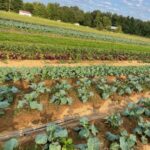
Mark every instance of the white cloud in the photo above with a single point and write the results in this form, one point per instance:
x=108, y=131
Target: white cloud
x=133, y=3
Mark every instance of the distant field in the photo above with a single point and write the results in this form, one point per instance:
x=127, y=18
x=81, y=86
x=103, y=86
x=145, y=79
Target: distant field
x=41, y=21
x=37, y=38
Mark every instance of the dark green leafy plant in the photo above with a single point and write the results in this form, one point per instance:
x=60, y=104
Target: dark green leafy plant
x=124, y=141
x=145, y=102
x=133, y=110
x=31, y=98
x=7, y=94
x=143, y=130
x=60, y=96
x=86, y=130
x=83, y=89
x=114, y=120
x=56, y=138
x=11, y=144
x=104, y=88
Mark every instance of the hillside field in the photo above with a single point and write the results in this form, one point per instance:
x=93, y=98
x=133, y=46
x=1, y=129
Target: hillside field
x=37, y=38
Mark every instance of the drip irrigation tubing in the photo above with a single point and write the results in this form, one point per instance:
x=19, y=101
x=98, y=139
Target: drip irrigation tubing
x=67, y=122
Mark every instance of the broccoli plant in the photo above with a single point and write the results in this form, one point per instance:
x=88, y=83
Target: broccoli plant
x=7, y=94
x=83, y=89
x=114, y=120
x=40, y=87
x=60, y=96
x=105, y=89
x=143, y=130
x=123, y=141
x=11, y=144
x=145, y=102
x=55, y=138
x=93, y=143
x=86, y=130
x=30, y=99
x=133, y=110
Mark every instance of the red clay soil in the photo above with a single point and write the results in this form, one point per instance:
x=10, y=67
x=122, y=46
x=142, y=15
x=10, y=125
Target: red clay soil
x=42, y=63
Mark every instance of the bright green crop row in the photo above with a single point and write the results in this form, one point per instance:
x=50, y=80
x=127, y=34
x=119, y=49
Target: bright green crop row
x=68, y=32
x=48, y=47
x=14, y=74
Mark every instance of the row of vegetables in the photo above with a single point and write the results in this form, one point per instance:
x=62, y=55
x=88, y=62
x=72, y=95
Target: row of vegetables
x=25, y=50
x=8, y=74
x=87, y=134
x=59, y=91
x=66, y=32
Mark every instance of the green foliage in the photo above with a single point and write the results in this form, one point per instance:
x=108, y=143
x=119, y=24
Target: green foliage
x=145, y=102
x=114, y=120
x=7, y=94
x=105, y=89
x=9, y=74
x=56, y=138
x=133, y=110
x=60, y=96
x=143, y=130
x=11, y=144
x=86, y=130
x=40, y=87
x=31, y=98
x=124, y=141
x=83, y=89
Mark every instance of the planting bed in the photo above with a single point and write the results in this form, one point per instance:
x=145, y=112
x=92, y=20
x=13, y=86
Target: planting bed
x=126, y=129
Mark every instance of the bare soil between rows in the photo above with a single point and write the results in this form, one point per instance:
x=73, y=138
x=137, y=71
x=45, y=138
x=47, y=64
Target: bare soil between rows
x=25, y=118
x=42, y=63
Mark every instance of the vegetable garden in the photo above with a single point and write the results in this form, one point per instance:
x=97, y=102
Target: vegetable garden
x=57, y=85
x=93, y=107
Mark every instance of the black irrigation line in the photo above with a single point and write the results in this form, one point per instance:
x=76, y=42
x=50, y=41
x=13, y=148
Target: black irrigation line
x=67, y=122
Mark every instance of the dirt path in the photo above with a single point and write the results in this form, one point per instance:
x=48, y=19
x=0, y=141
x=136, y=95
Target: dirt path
x=42, y=63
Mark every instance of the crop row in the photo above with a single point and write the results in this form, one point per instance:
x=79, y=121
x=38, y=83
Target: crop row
x=87, y=135
x=66, y=32
x=59, y=92
x=47, y=72
x=21, y=50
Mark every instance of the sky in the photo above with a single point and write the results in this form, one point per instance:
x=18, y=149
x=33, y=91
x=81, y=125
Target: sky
x=136, y=8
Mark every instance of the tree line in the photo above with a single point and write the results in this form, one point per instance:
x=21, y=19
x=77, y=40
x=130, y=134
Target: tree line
x=95, y=19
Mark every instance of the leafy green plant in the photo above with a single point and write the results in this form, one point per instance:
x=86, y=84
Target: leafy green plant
x=145, y=102
x=114, y=120
x=83, y=89
x=104, y=88
x=11, y=144
x=31, y=98
x=60, y=96
x=93, y=143
x=86, y=130
x=56, y=138
x=40, y=87
x=133, y=110
x=124, y=141
x=7, y=94
x=143, y=130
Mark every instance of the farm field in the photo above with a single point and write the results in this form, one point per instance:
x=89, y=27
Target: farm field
x=70, y=87
x=25, y=38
